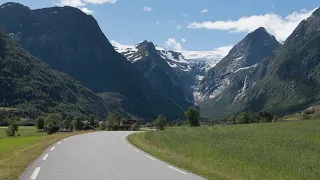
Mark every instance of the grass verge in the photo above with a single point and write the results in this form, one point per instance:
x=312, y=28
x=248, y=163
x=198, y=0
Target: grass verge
x=19, y=152
x=284, y=150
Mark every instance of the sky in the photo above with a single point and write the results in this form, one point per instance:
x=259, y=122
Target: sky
x=188, y=25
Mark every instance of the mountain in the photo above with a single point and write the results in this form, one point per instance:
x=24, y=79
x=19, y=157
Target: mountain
x=71, y=41
x=184, y=69
x=290, y=79
x=33, y=86
x=161, y=74
x=228, y=81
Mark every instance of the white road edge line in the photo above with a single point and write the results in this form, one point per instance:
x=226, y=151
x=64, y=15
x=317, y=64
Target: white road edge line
x=176, y=169
x=45, y=157
x=65, y=139
x=150, y=157
x=128, y=145
x=52, y=148
x=59, y=142
x=137, y=150
x=35, y=173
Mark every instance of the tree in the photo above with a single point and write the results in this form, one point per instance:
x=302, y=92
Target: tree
x=243, y=118
x=161, y=122
x=78, y=124
x=232, y=119
x=40, y=123
x=67, y=123
x=10, y=131
x=52, y=122
x=15, y=125
x=193, y=117
x=92, y=121
x=135, y=126
x=102, y=126
x=113, y=122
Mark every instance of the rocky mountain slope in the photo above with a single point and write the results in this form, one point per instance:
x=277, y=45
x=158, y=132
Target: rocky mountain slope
x=71, y=41
x=228, y=81
x=33, y=86
x=184, y=69
x=285, y=81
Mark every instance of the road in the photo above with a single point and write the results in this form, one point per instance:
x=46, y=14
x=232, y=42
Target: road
x=101, y=155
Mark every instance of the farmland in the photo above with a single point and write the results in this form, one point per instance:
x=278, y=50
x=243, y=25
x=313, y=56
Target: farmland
x=283, y=150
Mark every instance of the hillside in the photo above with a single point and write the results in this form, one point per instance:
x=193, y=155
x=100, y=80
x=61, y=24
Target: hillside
x=286, y=81
x=33, y=86
x=71, y=41
x=227, y=82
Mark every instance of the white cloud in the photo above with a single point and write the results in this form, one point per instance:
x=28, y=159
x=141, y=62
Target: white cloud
x=179, y=26
x=223, y=51
x=73, y=3
x=183, y=40
x=184, y=15
x=86, y=10
x=205, y=11
x=280, y=27
x=172, y=43
x=147, y=9
x=82, y=3
x=100, y=1
x=157, y=23
x=173, y=21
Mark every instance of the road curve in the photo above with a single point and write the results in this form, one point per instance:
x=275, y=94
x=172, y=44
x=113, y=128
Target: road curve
x=101, y=156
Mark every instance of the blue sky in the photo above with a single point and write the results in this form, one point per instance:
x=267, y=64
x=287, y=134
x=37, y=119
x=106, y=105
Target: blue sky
x=188, y=25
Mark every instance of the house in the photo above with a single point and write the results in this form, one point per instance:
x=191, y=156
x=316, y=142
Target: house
x=125, y=125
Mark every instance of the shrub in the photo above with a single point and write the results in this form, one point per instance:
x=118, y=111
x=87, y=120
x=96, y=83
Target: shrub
x=305, y=116
x=52, y=128
x=135, y=127
x=102, y=126
x=193, y=117
x=10, y=131
x=316, y=115
x=161, y=122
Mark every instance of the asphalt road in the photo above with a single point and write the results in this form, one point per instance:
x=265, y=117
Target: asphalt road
x=101, y=155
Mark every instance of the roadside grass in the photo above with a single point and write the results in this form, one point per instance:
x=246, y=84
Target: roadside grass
x=283, y=150
x=23, y=131
x=16, y=153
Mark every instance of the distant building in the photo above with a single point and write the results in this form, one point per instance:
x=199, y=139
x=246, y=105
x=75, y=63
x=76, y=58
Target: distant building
x=125, y=125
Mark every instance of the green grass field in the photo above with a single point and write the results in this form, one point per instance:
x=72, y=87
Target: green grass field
x=16, y=153
x=23, y=131
x=284, y=150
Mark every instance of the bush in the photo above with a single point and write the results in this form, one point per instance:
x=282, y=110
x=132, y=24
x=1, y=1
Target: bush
x=193, y=117
x=161, y=122
x=135, y=127
x=102, y=126
x=316, y=115
x=40, y=123
x=67, y=123
x=305, y=116
x=52, y=128
x=10, y=131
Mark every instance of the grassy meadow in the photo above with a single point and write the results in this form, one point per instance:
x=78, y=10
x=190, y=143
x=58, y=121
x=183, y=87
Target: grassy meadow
x=283, y=150
x=16, y=153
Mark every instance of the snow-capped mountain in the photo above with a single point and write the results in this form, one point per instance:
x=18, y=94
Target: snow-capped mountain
x=186, y=68
x=180, y=60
